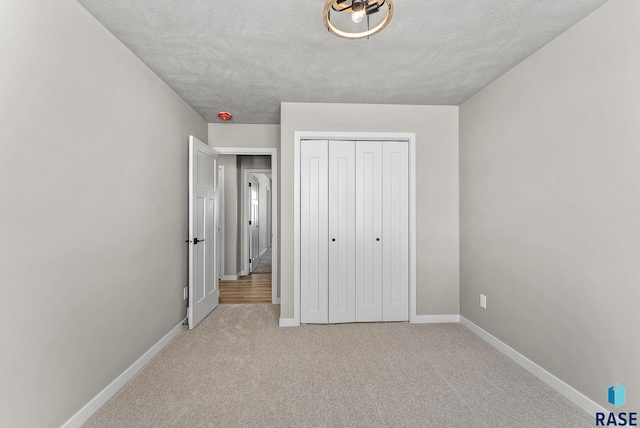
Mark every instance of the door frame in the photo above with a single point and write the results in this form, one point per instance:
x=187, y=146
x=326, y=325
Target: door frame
x=247, y=214
x=410, y=138
x=273, y=152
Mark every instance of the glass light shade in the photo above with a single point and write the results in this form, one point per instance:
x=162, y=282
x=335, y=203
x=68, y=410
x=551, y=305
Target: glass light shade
x=358, y=16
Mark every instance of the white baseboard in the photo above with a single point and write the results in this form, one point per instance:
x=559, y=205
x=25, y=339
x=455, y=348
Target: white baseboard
x=288, y=322
x=563, y=388
x=435, y=319
x=230, y=277
x=96, y=402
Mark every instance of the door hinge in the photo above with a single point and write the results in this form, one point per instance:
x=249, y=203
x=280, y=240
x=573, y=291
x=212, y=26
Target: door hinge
x=249, y=222
x=249, y=261
x=249, y=184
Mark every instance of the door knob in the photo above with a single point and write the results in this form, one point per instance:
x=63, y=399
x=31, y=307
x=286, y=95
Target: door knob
x=377, y=239
x=196, y=240
x=334, y=239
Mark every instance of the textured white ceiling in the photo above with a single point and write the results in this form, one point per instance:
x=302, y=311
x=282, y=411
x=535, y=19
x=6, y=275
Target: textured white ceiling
x=246, y=56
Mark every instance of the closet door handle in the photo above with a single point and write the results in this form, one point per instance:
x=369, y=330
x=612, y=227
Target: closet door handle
x=377, y=239
x=334, y=239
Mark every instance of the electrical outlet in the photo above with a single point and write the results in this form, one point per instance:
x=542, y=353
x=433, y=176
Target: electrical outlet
x=483, y=301
x=185, y=293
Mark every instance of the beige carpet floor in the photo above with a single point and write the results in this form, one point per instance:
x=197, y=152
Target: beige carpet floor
x=239, y=369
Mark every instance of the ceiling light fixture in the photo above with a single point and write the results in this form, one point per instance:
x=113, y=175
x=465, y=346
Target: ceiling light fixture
x=225, y=115
x=359, y=10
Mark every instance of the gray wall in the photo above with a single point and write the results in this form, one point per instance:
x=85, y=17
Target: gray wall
x=231, y=261
x=93, y=191
x=550, y=204
x=436, y=129
x=242, y=135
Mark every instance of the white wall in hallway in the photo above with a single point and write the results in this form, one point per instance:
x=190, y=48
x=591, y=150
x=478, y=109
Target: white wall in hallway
x=231, y=260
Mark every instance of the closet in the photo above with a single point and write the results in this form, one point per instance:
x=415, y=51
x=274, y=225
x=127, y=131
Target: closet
x=354, y=227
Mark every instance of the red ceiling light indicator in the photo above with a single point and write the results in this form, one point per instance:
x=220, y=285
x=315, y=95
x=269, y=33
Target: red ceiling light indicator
x=225, y=115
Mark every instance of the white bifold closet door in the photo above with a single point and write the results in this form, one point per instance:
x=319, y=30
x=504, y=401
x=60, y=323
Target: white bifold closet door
x=314, y=232
x=369, y=231
x=354, y=260
x=327, y=241
x=382, y=231
x=342, y=231
x=395, y=231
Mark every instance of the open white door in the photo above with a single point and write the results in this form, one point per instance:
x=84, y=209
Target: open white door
x=203, y=231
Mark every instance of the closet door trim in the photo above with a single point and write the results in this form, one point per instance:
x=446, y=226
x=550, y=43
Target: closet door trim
x=299, y=136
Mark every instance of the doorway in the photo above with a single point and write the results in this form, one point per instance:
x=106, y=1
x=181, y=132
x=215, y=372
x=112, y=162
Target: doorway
x=250, y=262
x=257, y=186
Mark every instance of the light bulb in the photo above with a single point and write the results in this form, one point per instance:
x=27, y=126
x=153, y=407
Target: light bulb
x=357, y=16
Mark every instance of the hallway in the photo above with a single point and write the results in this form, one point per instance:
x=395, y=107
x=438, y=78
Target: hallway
x=253, y=288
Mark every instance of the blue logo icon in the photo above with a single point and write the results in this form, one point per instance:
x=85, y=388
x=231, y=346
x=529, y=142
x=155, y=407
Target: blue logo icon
x=616, y=395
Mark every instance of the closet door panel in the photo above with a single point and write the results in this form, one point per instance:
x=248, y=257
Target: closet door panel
x=395, y=284
x=314, y=260
x=342, y=239
x=368, y=231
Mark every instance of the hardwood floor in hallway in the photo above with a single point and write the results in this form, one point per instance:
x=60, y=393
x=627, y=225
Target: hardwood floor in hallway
x=254, y=288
